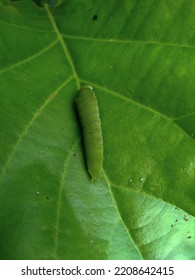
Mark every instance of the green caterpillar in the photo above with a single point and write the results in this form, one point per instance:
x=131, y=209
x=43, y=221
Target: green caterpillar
x=88, y=111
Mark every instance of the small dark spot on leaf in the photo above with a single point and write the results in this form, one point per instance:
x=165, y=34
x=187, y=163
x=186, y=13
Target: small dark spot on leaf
x=176, y=208
x=186, y=219
x=38, y=2
x=171, y=225
x=176, y=220
x=74, y=155
x=95, y=17
x=47, y=197
x=189, y=237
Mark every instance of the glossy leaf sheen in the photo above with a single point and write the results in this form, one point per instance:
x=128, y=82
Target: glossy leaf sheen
x=139, y=56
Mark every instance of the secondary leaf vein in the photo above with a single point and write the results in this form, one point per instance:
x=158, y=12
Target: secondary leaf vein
x=119, y=41
x=63, y=44
x=27, y=127
x=60, y=197
x=34, y=56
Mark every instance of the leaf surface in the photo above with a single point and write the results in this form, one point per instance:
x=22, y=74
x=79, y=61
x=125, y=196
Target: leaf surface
x=139, y=56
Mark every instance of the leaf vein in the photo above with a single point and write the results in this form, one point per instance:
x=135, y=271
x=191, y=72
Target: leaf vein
x=118, y=41
x=26, y=28
x=60, y=196
x=63, y=44
x=32, y=57
x=134, y=102
x=27, y=127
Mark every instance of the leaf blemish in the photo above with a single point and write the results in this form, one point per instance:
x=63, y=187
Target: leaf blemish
x=52, y=95
x=95, y=17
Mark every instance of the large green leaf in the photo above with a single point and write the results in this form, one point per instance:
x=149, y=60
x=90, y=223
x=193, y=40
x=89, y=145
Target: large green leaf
x=139, y=56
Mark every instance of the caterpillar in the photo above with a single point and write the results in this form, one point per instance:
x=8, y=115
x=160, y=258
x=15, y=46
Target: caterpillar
x=88, y=111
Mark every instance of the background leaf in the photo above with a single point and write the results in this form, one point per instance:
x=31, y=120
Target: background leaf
x=139, y=56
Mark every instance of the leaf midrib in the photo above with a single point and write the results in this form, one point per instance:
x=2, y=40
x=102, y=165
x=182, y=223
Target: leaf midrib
x=63, y=44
